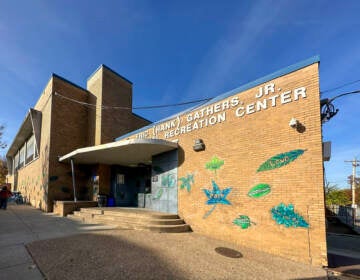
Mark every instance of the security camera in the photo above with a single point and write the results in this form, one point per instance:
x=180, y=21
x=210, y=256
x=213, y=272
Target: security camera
x=293, y=123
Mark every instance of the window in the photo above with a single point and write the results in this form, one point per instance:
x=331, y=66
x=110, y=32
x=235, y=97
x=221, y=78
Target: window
x=27, y=153
x=16, y=161
x=30, y=148
x=22, y=156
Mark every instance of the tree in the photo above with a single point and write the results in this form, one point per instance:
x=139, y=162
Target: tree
x=357, y=181
x=335, y=196
x=3, y=163
x=2, y=143
x=3, y=170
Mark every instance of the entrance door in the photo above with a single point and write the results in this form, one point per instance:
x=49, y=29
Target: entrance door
x=127, y=183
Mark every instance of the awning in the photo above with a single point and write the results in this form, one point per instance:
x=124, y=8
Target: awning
x=126, y=152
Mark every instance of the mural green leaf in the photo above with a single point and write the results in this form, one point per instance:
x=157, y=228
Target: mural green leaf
x=280, y=160
x=259, y=190
x=243, y=221
x=214, y=164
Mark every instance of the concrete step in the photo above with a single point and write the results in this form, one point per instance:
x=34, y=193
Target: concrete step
x=141, y=219
x=75, y=218
x=132, y=218
x=144, y=215
x=168, y=228
x=93, y=210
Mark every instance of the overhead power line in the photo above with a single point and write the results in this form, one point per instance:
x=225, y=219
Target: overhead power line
x=328, y=109
x=341, y=86
x=134, y=108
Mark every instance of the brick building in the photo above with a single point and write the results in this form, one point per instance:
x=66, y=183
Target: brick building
x=56, y=126
x=245, y=167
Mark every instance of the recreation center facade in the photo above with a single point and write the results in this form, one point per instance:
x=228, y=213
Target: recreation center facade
x=245, y=167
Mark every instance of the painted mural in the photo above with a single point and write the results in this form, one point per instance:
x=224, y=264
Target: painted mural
x=285, y=215
x=280, y=160
x=214, y=164
x=186, y=182
x=243, y=221
x=215, y=197
x=168, y=180
x=164, y=181
x=259, y=190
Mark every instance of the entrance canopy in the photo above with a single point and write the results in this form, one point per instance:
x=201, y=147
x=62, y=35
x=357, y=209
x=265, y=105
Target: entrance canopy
x=126, y=152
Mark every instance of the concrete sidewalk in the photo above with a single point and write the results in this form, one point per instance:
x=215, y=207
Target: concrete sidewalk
x=61, y=253
x=21, y=224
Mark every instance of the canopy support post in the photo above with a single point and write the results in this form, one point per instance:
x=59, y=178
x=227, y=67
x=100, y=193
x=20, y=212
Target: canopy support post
x=73, y=178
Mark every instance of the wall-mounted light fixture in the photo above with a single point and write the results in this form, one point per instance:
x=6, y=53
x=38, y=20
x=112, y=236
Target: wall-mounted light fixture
x=297, y=125
x=199, y=145
x=293, y=123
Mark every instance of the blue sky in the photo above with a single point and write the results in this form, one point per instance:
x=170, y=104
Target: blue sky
x=176, y=51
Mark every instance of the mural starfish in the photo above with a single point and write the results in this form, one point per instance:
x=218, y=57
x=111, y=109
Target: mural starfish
x=216, y=196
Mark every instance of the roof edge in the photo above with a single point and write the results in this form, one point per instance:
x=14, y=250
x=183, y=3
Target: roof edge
x=53, y=75
x=109, y=69
x=26, y=119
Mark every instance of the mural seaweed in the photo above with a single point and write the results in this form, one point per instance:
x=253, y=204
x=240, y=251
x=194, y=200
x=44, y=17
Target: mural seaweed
x=214, y=164
x=259, y=190
x=158, y=194
x=243, y=221
x=280, y=160
x=168, y=180
x=286, y=216
x=186, y=182
x=216, y=196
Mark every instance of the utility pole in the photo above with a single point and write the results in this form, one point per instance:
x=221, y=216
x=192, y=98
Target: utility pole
x=354, y=163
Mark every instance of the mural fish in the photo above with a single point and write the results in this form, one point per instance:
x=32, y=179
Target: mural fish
x=280, y=160
x=259, y=190
x=285, y=215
